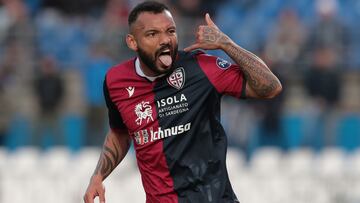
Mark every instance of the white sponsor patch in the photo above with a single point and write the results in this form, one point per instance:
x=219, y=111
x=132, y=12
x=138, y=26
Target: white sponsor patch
x=172, y=105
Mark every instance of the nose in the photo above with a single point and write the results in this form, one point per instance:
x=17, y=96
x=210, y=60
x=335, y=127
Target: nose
x=164, y=39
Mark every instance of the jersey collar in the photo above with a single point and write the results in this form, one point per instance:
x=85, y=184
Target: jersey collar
x=141, y=73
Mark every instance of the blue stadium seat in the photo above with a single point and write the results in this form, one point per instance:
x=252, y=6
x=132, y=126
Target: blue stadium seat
x=74, y=131
x=19, y=133
x=348, y=137
x=293, y=128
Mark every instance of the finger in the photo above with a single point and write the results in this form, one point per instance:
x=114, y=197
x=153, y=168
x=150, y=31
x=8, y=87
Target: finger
x=88, y=198
x=209, y=21
x=102, y=198
x=192, y=47
x=102, y=195
x=201, y=27
x=197, y=36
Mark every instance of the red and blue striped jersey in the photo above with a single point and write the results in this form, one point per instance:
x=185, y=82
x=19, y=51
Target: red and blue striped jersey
x=174, y=122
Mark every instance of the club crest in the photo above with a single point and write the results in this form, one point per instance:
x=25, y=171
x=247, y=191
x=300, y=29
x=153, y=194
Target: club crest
x=177, y=78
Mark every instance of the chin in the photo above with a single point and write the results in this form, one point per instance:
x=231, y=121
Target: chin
x=163, y=69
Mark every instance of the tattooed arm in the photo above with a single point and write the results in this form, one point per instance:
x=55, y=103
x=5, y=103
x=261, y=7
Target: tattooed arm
x=261, y=82
x=115, y=147
x=114, y=150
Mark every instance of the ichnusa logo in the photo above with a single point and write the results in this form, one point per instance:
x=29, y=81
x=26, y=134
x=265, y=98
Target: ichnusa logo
x=177, y=78
x=143, y=111
x=150, y=135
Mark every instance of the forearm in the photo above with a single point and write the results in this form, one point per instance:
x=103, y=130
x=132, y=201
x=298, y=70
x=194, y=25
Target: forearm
x=261, y=80
x=115, y=148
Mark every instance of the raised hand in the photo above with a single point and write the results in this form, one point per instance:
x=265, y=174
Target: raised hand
x=209, y=37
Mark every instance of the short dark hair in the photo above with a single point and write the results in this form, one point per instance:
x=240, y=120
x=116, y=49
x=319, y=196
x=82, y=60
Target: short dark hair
x=147, y=6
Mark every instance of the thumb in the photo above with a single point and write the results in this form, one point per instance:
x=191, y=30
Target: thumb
x=192, y=47
x=209, y=21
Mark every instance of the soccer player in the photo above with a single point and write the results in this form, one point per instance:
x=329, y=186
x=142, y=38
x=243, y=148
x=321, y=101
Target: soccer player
x=168, y=103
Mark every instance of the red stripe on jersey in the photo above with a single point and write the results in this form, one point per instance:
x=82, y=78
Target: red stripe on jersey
x=134, y=98
x=227, y=79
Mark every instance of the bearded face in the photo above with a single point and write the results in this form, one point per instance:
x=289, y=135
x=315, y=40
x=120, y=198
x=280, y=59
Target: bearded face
x=153, y=36
x=160, y=61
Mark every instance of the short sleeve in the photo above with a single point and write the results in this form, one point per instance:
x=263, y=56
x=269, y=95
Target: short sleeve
x=115, y=120
x=227, y=78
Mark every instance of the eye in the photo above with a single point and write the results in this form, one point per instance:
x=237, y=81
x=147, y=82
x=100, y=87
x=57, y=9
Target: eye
x=151, y=34
x=172, y=31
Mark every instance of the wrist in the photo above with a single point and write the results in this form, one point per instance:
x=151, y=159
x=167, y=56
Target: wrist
x=226, y=43
x=97, y=178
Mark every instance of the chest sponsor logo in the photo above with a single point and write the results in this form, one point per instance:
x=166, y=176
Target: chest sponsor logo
x=143, y=111
x=223, y=64
x=171, y=100
x=130, y=90
x=177, y=78
x=173, y=105
x=150, y=135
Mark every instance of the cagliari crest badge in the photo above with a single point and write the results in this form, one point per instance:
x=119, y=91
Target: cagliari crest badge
x=177, y=78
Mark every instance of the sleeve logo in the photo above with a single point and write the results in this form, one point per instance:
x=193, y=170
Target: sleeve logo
x=223, y=64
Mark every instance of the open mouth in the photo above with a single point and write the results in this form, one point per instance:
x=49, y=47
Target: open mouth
x=165, y=57
x=165, y=52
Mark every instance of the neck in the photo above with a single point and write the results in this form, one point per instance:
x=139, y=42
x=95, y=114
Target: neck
x=140, y=71
x=146, y=70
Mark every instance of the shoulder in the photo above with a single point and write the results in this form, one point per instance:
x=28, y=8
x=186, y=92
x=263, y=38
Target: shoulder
x=197, y=56
x=191, y=54
x=207, y=60
x=125, y=69
x=200, y=55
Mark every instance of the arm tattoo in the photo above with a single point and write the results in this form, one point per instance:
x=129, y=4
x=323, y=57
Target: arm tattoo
x=258, y=75
x=109, y=158
x=261, y=80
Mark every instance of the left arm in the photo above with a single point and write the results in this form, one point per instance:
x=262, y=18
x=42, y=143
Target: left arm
x=260, y=81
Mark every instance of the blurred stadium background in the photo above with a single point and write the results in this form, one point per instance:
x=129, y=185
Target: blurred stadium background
x=302, y=147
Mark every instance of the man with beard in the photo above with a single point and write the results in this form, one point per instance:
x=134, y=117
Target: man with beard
x=168, y=102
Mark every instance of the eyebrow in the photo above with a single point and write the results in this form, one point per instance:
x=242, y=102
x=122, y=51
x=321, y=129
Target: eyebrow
x=151, y=30
x=155, y=29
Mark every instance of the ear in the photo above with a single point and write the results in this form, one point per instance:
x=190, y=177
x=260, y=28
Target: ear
x=131, y=42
